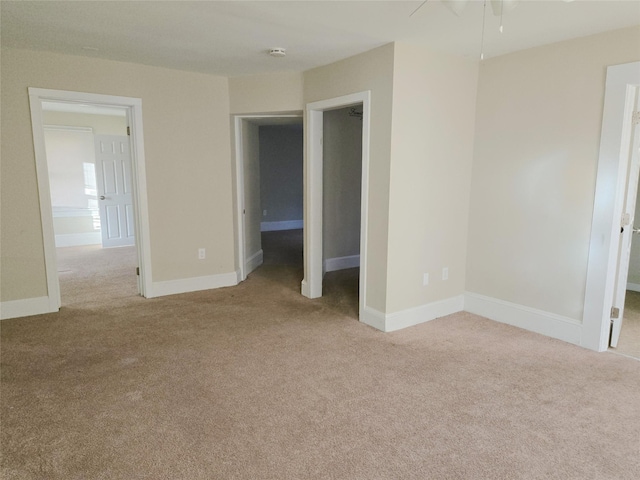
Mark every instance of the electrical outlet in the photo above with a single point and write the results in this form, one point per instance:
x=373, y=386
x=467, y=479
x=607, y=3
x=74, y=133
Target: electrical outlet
x=445, y=273
x=264, y=213
x=202, y=253
x=425, y=279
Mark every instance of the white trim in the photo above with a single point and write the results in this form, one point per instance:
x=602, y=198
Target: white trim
x=241, y=261
x=341, y=263
x=69, y=128
x=140, y=205
x=254, y=261
x=27, y=307
x=239, y=174
x=607, y=209
x=412, y=316
x=532, y=319
x=634, y=287
x=78, y=239
x=282, y=225
x=194, y=284
x=373, y=318
x=313, y=165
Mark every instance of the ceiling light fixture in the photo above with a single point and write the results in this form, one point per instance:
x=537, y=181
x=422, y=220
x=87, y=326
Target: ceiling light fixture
x=277, y=52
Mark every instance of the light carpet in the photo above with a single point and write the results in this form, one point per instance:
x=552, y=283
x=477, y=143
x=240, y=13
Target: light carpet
x=258, y=382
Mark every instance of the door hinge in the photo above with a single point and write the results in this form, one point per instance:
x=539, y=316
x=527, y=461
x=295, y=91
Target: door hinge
x=615, y=312
x=128, y=130
x=636, y=118
x=626, y=219
x=137, y=270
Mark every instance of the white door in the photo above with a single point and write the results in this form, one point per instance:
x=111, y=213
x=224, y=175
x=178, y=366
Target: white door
x=627, y=227
x=113, y=175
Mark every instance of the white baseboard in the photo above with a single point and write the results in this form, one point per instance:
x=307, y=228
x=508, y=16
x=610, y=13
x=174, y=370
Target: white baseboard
x=284, y=225
x=26, y=307
x=253, y=262
x=534, y=320
x=194, y=284
x=374, y=318
x=77, y=239
x=412, y=316
x=634, y=287
x=341, y=263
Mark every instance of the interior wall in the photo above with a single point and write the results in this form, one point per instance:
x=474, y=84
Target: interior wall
x=69, y=154
x=253, y=212
x=187, y=149
x=373, y=71
x=267, y=93
x=434, y=98
x=281, y=172
x=342, y=182
x=538, y=123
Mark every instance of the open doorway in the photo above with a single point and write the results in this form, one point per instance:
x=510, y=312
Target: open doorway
x=89, y=164
x=628, y=338
x=610, y=214
x=314, y=250
x=268, y=171
x=341, y=197
x=70, y=213
x=625, y=314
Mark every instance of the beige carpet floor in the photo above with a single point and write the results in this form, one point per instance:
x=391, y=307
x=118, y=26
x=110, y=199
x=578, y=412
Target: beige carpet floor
x=258, y=382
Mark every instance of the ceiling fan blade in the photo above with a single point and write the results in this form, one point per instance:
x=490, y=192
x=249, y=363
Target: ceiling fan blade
x=419, y=7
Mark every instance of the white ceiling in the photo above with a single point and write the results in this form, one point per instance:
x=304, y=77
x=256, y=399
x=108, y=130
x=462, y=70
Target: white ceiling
x=231, y=38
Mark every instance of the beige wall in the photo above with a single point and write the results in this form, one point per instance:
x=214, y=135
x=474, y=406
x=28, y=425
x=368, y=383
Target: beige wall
x=538, y=126
x=434, y=98
x=372, y=71
x=101, y=124
x=342, y=181
x=253, y=212
x=187, y=148
x=268, y=93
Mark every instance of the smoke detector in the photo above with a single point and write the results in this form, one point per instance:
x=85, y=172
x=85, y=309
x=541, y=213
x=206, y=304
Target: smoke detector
x=277, y=52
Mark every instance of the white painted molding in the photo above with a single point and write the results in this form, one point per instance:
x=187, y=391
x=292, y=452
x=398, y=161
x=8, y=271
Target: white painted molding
x=254, y=261
x=283, y=225
x=373, y=318
x=412, y=316
x=77, y=239
x=634, y=287
x=27, y=307
x=532, y=319
x=304, y=289
x=341, y=263
x=424, y=313
x=194, y=284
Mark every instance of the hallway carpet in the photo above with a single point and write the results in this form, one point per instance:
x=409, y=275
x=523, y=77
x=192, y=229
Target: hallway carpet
x=258, y=382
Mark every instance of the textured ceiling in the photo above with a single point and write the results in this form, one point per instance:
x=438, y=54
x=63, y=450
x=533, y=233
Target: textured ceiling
x=231, y=38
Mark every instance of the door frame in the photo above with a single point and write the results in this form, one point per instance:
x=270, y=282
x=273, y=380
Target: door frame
x=139, y=182
x=313, y=165
x=622, y=84
x=239, y=182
